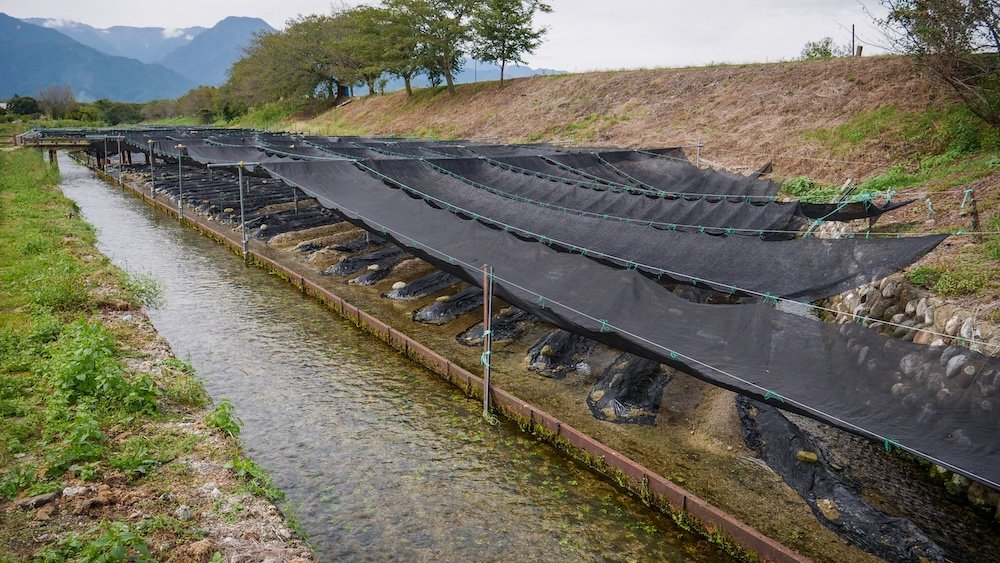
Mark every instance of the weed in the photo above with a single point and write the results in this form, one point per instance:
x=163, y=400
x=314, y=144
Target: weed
x=135, y=461
x=144, y=289
x=803, y=188
x=85, y=366
x=924, y=276
x=84, y=442
x=254, y=478
x=110, y=541
x=962, y=281
x=222, y=417
x=16, y=481
x=892, y=179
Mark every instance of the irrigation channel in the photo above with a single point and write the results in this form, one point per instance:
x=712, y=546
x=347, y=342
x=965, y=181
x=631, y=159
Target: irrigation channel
x=378, y=457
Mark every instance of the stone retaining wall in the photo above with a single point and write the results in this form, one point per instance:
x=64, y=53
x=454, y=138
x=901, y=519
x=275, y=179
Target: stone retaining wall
x=895, y=307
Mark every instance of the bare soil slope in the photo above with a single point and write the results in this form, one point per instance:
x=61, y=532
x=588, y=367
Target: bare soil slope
x=745, y=115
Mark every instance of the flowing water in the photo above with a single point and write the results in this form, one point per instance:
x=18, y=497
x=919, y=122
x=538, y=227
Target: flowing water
x=379, y=458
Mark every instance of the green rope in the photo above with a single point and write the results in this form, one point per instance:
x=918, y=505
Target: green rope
x=772, y=395
x=965, y=199
x=485, y=358
x=889, y=443
x=605, y=327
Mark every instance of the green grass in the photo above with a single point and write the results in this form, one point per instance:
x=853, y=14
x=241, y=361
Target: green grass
x=267, y=115
x=65, y=391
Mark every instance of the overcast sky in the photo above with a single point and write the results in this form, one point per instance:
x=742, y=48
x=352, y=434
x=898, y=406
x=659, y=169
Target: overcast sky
x=584, y=34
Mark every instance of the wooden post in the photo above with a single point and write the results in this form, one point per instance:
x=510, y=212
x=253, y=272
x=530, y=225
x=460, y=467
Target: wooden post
x=487, y=335
x=975, y=216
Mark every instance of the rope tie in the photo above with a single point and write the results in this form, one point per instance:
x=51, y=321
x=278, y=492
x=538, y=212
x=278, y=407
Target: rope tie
x=770, y=298
x=730, y=231
x=930, y=208
x=889, y=443
x=541, y=301
x=889, y=195
x=605, y=327
x=485, y=358
x=487, y=333
x=772, y=395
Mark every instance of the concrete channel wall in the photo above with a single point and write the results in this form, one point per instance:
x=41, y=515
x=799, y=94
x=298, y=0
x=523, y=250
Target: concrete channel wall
x=651, y=487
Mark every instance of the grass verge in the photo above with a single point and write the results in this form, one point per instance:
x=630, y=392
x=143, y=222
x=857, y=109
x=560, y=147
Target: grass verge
x=96, y=416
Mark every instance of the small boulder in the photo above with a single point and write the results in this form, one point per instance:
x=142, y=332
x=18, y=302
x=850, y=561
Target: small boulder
x=399, y=285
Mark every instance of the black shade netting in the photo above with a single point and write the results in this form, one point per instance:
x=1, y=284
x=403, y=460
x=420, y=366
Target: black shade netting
x=719, y=216
x=802, y=269
x=937, y=402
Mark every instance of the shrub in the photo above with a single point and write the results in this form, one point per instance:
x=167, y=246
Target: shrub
x=222, y=417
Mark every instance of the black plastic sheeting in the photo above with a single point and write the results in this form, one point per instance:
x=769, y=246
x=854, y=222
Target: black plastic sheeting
x=777, y=441
x=803, y=269
x=930, y=401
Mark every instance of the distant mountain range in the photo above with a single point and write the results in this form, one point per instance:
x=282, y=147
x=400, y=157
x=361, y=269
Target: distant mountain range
x=133, y=64
x=33, y=57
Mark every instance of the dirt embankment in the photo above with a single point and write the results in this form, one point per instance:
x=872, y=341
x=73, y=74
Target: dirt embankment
x=745, y=115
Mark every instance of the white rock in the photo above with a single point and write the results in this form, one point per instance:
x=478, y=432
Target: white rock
x=911, y=307
x=127, y=318
x=968, y=330
x=399, y=285
x=953, y=324
x=583, y=368
x=374, y=267
x=75, y=491
x=921, y=307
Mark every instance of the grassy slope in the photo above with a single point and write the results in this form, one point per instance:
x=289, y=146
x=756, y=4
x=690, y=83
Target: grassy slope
x=89, y=396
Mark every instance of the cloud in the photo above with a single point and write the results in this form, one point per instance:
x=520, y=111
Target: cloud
x=172, y=32
x=57, y=23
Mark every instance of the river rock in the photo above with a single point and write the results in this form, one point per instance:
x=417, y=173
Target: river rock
x=955, y=365
x=898, y=318
x=923, y=337
x=968, y=330
x=36, y=501
x=953, y=325
x=911, y=307
x=374, y=268
x=929, y=316
x=937, y=342
x=183, y=513
x=921, y=307
x=941, y=315
x=75, y=491
x=399, y=285
x=904, y=329
x=443, y=299
x=890, y=290
x=890, y=312
x=828, y=508
x=879, y=308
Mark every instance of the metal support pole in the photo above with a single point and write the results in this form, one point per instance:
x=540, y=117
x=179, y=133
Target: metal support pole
x=295, y=194
x=487, y=335
x=180, y=182
x=104, y=157
x=120, y=161
x=152, y=181
x=698, y=153
x=975, y=217
x=243, y=218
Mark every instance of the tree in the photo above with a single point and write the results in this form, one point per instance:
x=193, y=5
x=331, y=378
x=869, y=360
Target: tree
x=503, y=31
x=56, y=100
x=442, y=31
x=401, y=36
x=958, y=41
x=818, y=50
x=197, y=101
x=23, y=105
x=303, y=61
x=363, y=44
